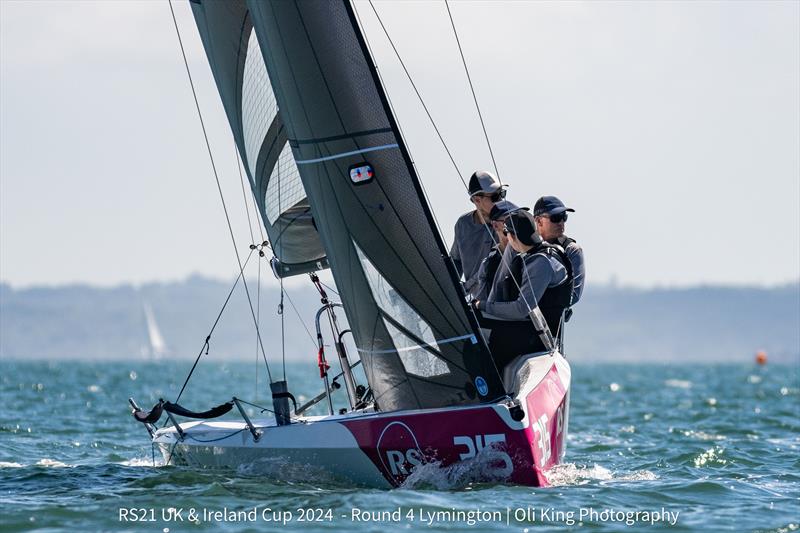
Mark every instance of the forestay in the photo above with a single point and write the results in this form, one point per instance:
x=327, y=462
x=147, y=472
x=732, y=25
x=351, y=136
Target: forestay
x=419, y=342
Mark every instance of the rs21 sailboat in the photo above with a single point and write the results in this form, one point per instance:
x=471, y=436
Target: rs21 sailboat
x=336, y=188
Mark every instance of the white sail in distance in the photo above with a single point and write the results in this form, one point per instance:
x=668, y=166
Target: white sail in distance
x=158, y=347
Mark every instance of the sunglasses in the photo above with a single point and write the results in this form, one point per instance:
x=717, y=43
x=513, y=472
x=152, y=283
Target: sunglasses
x=494, y=197
x=557, y=219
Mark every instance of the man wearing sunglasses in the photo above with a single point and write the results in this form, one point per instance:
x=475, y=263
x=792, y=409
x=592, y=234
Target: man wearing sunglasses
x=494, y=261
x=474, y=237
x=539, y=276
x=550, y=215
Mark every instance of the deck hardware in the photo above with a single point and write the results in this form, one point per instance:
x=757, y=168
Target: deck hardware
x=256, y=434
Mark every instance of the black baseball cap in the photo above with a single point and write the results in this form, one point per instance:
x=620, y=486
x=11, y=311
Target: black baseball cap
x=502, y=209
x=521, y=224
x=549, y=205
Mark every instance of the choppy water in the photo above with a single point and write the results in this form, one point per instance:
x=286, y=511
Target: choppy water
x=717, y=444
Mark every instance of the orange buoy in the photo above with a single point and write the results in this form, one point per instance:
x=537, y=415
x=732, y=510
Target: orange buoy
x=761, y=357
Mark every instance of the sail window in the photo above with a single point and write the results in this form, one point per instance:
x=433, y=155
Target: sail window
x=259, y=106
x=416, y=359
x=391, y=303
x=285, y=188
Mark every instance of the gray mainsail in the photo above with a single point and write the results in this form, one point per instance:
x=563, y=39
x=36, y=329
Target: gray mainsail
x=249, y=101
x=418, y=341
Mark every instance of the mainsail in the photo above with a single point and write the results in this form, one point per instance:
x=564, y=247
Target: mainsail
x=419, y=342
x=249, y=102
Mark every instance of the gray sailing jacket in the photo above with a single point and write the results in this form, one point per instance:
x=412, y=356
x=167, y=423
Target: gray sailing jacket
x=471, y=244
x=541, y=272
x=575, y=255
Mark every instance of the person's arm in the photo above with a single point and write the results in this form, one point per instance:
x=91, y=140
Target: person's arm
x=455, y=253
x=537, y=276
x=575, y=254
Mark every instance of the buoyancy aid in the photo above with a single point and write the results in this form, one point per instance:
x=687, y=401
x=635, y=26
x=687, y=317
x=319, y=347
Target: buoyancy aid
x=555, y=300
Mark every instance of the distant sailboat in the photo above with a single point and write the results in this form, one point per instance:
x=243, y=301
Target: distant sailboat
x=157, y=347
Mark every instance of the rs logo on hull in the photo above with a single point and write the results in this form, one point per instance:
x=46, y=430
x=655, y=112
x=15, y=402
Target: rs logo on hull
x=398, y=449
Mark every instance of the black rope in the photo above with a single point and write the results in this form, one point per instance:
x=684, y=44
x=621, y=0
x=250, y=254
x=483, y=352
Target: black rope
x=188, y=436
x=219, y=187
x=472, y=88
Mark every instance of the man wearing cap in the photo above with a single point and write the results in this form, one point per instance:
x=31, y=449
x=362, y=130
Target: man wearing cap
x=538, y=276
x=550, y=214
x=496, y=260
x=473, y=239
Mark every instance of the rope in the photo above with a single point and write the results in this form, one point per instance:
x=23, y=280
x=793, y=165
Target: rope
x=472, y=88
x=219, y=187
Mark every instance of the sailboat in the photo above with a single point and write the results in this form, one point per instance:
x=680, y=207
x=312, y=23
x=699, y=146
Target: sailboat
x=157, y=347
x=336, y=188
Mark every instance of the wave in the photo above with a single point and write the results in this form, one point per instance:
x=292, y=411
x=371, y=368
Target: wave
x=572, y=474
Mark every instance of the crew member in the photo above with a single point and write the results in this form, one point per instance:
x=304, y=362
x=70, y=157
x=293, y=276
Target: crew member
x=538, y=276
x=494, y=261
x=550, y=214
x=473, y=234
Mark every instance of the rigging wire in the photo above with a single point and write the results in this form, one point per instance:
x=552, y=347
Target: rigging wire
x=244, y=194
x=391, y=106
x=206, y=344
x=283, y=331
x=472, y=88
x=435, y=127
x=329, y=288
x=252, y=241
x=279, y=177
x=300, y=318
x=258, y=315
x=219, y=186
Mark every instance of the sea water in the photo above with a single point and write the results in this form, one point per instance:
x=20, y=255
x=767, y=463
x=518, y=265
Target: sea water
x=685, y=447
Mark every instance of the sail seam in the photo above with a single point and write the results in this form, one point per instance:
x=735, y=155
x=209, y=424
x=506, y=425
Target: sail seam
x=424, y=344
x=346, y=154
x=341, y=137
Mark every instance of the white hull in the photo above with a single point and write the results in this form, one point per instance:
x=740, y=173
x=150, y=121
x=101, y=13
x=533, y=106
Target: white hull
x=382, y=449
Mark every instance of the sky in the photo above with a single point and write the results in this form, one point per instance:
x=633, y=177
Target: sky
x=672, y=128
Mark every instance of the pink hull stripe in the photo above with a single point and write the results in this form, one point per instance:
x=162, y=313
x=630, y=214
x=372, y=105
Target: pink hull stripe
x=395, y=444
